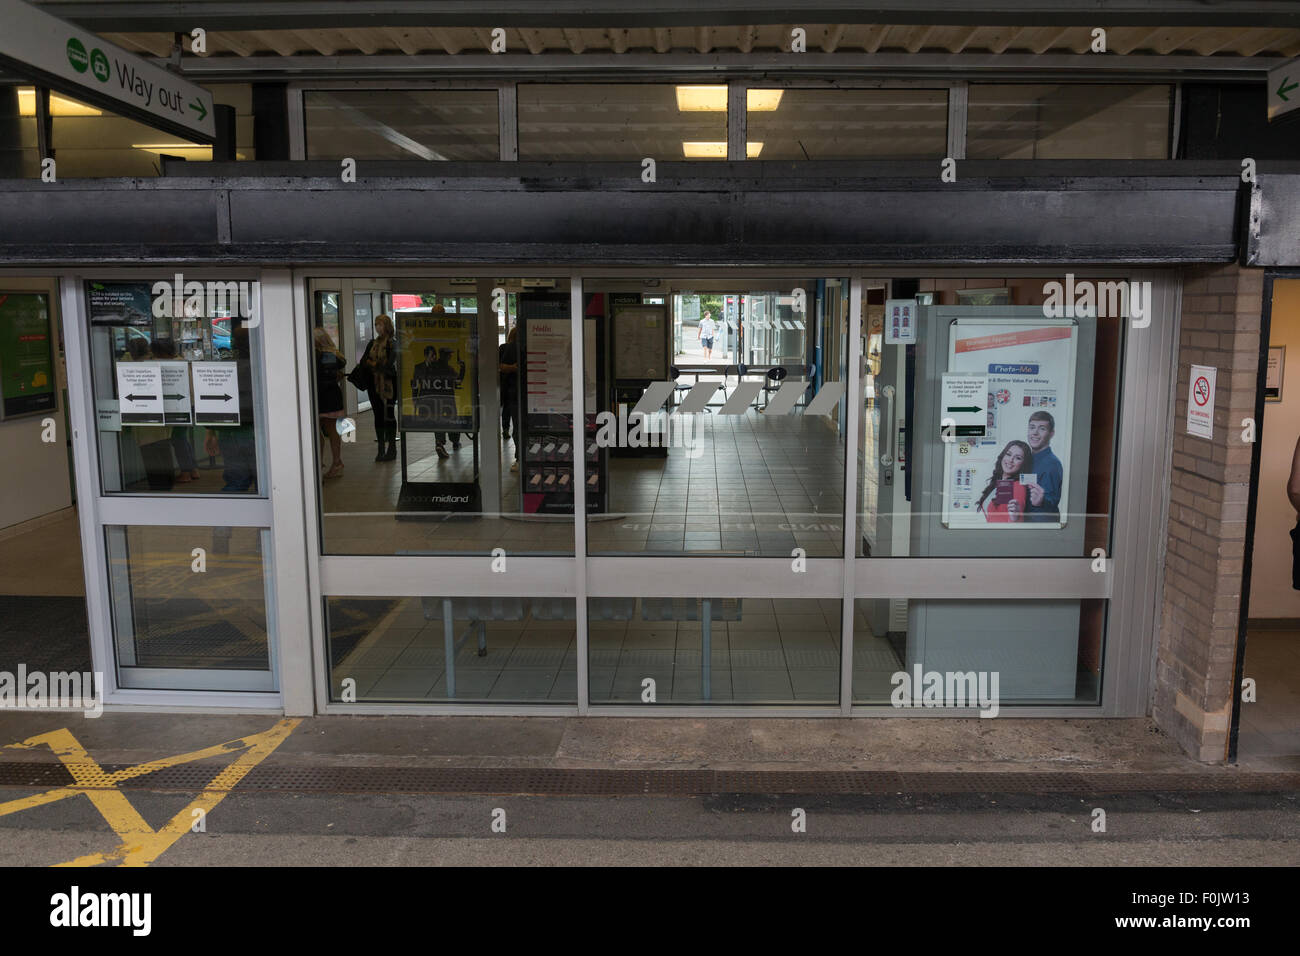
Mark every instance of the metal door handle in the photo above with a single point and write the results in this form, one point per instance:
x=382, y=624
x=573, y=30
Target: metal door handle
x=887, y=459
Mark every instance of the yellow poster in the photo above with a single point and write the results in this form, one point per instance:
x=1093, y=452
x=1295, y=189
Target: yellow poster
x=435, y=371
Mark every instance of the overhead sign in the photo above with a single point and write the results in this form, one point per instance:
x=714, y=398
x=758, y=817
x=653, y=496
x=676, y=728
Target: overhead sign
x=1283, y=89
x=54, y=53
x=1200, y=402
x=139, y=393
x=216, y=393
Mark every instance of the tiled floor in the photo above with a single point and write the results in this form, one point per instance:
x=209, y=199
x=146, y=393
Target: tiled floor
x=1270, y=726
x=751, y=486
x=43, y=607
x=768, y=651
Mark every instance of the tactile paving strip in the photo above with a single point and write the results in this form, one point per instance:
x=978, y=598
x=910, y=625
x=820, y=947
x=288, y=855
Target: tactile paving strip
x=563, y=782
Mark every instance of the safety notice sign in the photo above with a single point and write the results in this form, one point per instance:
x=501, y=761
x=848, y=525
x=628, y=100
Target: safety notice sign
x=139, y=393
x=176, y=392
x=965, y=404
x=1200, y=402
x=216, y=393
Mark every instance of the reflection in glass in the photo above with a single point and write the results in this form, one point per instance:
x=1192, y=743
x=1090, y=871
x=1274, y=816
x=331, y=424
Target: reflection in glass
x=491, y=650
x=168, y=616
x=431, y=125
x=714, y=650
x=848, y=124
x=1068, y=121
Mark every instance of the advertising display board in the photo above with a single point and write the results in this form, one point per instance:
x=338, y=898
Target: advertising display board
x=437, y=356
x=549, y=365
x=26, y=354
x=1016, y=474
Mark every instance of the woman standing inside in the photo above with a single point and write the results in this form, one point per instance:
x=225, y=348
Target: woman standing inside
x=330, y=366
x=381, y=359
x=1009, y=494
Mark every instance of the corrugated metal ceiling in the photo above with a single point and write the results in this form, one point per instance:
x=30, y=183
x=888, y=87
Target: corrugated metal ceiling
x=831, y=38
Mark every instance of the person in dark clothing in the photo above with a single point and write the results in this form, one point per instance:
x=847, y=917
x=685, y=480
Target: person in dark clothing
x=508, y=371
x=381, y=358
x=330, y=367
x=433, y=388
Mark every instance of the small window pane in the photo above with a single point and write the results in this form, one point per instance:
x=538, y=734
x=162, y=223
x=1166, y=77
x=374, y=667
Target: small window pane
x=610, y=122
x=19, y=158
x=1068, y=122
x=847, y=124
x=457, y=125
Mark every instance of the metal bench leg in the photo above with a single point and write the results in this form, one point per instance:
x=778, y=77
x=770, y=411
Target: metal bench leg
x=482, y=639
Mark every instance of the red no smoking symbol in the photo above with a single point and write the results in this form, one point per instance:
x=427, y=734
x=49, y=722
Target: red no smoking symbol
x=1201, y=390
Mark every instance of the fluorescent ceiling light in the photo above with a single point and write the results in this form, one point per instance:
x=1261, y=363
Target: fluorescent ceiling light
x=763, y=101
x=185, y=150
x=696, y=99
x=59, y=105
x=713, y=99
x=717, y=150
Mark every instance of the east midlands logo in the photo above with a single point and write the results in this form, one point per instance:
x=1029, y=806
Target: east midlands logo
x=1103, y=299
x=180, y=299
x=57, y=690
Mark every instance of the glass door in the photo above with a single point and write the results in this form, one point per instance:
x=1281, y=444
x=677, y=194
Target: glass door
x=181, y=510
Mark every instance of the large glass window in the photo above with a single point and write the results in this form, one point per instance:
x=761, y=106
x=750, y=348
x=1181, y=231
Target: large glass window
x=714, y=416
x=609, y=122
x=496, y=650
x=847, y=124
x=1068, y=121
x=467, y=445
x=714, y=650
x=456, y=125
x=177, y=628
x=175, y=383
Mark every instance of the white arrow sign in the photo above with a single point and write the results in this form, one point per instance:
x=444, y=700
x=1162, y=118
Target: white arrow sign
x=56, y=54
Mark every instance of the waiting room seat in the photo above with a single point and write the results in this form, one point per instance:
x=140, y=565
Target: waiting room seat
x=705, y=610
x=478, y=611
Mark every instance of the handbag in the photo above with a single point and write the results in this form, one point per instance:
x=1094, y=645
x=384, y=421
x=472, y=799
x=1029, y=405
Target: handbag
x=1295, y=556
x=362, y=376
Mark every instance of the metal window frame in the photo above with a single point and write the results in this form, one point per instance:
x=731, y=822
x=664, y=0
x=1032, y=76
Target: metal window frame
x=1131, y=583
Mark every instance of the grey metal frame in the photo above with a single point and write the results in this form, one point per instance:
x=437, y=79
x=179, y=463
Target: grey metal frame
x=1131, y=581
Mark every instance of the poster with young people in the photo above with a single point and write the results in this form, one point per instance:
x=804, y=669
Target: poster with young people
x=1017, y=474
x=435, y=376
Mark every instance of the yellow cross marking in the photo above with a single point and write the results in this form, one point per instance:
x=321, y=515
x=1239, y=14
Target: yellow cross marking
x=141, y=844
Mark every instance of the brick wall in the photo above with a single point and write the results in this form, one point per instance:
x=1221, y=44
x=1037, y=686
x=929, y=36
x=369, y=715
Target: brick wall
x=1209, y=484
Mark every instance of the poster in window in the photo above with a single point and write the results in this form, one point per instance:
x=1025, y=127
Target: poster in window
x=1017, y=474
x=437, y=352
x=26, y=354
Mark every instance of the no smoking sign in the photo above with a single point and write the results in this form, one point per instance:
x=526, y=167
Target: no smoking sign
x=1200, y=402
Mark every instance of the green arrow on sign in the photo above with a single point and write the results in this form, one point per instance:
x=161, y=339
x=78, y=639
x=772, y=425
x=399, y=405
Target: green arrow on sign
x=1283, y=89
x=198, y=107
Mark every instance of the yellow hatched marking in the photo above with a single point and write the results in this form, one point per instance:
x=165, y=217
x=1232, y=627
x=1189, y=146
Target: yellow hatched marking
x=141, y=844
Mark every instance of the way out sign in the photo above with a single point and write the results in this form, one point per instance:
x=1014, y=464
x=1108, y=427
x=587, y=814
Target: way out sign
x=1200, y=402
x=57, y=54
x=216, y=393
x=1283, y=89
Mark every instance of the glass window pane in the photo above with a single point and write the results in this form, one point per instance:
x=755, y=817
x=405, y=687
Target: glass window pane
x=714, y=650
x=1030, y=475
x=467, y=445
x=458, y=125
x=497, y=650
x=174, y=394
x=19, y=157
x=609, y=122
x=1015, y=652
x=168, y=617
x=240, y=97
x=847, y=124
x=714, y=416
x=1070, y=121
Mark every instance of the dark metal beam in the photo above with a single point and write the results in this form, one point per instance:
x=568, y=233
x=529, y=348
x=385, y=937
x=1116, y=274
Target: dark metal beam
x=846, y=214
x=169, y=15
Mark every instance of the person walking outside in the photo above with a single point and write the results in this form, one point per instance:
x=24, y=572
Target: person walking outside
x=381, y=358
x=508, y=373
x=707, y=331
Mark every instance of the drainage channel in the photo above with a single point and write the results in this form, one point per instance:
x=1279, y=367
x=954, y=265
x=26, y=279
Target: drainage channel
x=566, y=782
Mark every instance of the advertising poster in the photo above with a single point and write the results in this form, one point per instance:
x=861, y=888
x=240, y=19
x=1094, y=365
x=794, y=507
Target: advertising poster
x=435, y=372
x=26, y=354
x=1017, y=474
x=549, y=367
